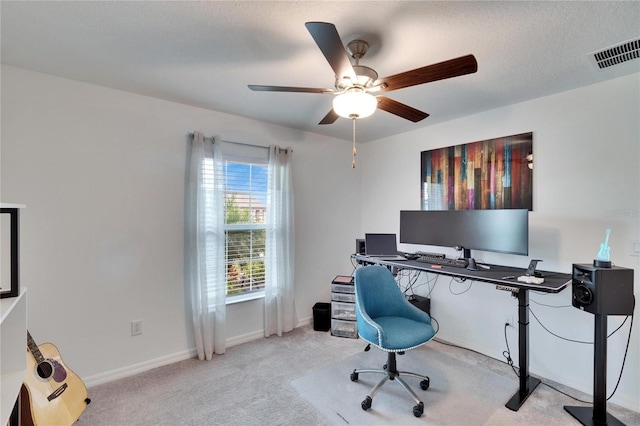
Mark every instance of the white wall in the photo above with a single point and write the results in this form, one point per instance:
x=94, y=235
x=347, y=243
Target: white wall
x=586, y=146
x=102, y=173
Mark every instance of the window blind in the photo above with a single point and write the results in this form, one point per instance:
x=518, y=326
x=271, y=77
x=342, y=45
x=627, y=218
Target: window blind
x=244, y=176
x=245, y=226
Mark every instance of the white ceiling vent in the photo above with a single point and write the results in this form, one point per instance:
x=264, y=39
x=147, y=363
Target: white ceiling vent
x=617, y=54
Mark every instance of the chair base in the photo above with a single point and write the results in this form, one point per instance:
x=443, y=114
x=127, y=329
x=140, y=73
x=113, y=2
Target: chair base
x=391, y=372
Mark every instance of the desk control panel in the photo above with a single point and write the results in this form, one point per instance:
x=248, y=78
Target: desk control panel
x=507, y=288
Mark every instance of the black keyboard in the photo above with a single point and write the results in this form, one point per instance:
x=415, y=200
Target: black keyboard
x=457, y=263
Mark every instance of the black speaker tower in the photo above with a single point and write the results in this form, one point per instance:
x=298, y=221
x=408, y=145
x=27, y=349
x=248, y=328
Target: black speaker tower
x=600, y=291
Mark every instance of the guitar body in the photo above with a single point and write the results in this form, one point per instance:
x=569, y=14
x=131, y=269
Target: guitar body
x=604, y=254
x=52, y=393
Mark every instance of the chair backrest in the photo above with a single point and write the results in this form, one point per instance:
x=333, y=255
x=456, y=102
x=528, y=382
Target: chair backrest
x=377, y=292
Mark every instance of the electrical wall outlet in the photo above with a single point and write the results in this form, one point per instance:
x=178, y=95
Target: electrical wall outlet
x=510, y=321
x=136, y=327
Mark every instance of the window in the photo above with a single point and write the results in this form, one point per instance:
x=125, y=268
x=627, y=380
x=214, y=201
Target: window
x=245, y=226
x=244, y=178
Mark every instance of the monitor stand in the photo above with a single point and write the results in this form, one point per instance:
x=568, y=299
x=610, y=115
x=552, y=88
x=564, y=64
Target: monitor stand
x=466, y=254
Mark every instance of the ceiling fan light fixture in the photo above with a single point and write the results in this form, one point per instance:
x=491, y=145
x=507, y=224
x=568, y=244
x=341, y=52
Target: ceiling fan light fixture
x=355, y=103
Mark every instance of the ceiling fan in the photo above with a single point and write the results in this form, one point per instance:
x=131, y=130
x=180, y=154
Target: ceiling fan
x=355, y=84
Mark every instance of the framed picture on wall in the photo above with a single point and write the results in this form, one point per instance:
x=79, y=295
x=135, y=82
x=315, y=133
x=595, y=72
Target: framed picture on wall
x=483, y=175
x=9, y=262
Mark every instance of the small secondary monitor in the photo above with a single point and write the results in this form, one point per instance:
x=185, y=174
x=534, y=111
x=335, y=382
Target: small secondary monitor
x=380, y=244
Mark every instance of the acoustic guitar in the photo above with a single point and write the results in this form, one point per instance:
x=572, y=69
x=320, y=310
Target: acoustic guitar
x=52, y=394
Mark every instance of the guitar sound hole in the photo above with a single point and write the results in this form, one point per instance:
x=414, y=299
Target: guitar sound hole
x=44, y=369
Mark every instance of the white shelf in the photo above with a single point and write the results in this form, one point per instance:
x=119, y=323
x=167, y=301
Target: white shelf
x=13, y=351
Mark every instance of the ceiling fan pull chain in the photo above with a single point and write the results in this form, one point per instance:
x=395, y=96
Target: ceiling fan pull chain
x=353, y=162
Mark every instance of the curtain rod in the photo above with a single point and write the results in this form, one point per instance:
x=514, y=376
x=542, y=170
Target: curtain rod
x=211, y=138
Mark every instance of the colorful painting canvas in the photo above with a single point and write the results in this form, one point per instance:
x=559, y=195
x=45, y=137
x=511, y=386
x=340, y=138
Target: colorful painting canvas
x=490, y=174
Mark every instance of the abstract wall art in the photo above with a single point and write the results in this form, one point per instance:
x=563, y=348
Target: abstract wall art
x=489, y=174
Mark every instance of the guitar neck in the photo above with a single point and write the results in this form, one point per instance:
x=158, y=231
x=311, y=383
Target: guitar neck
x=33, y=348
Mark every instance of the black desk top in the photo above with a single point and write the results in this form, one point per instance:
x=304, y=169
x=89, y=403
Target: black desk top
x=554, y=282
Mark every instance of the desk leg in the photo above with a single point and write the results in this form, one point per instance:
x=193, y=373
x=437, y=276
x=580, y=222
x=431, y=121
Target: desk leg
x=527, y=384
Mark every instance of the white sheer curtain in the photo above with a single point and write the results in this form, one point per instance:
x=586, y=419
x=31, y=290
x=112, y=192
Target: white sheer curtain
x=279, y=308
x=205, y=230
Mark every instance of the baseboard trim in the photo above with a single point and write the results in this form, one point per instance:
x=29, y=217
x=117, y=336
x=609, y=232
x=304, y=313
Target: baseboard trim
x=304, y=321
x=130, y=370
x=141, y=367
x=244, y=338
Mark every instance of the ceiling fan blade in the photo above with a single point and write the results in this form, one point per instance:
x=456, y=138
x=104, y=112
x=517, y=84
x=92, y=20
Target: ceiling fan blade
x=328, y=40
x=440, y=71
x=400, y=109
x=258, y=88
x=330, y=118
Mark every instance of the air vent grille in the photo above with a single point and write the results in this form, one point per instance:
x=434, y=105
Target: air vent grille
x=617, y=54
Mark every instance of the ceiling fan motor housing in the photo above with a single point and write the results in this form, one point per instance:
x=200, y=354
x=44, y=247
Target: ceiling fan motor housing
x=365, y=78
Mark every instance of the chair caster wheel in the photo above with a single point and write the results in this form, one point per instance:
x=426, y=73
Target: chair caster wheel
x=418, y=410
x=354, y=376
x=424, y=385
x=366, y=349
x=366, y=404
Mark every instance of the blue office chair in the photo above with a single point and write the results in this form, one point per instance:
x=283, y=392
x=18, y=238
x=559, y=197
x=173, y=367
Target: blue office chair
x=387, y=320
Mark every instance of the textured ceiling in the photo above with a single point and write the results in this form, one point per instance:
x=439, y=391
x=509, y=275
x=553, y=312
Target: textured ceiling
x=206, y=53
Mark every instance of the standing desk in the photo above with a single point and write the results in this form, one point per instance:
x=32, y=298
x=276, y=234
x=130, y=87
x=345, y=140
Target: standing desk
x=554, y=282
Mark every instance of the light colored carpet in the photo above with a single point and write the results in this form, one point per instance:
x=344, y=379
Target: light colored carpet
x=250, y=385
x=459, y=394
